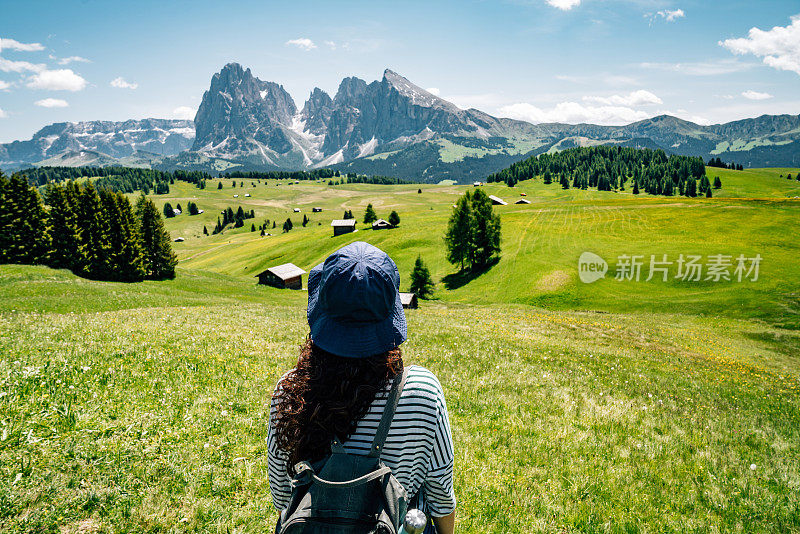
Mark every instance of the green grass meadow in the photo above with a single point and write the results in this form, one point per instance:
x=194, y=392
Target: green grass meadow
x=616, y=406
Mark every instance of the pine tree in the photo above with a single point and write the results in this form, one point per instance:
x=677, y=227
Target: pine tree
x=252, y=227
x=485, y=229
x=193, y=209
x=94, y=242
x=205, y=230
x=635, y=187
x=219, y=185
x=126, y=241
x=394, y=218
x=691, y=187
x=305, y=220
x=548, y=178
x=457, y=236
x=63, y=202
x=421, y=282
x=159, y=260
x=717, y=182
x=287, y=225
x=708, y=193
x=24, y=236
x=369, y=215
x=168, y=211
x=419, y=191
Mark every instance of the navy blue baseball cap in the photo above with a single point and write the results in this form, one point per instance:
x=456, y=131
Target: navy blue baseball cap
x=354, y=307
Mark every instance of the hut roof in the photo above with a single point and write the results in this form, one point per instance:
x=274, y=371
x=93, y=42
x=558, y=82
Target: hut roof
x=285, y=271
x=522, y=201
x=497, y=200
x=343, y=222
x=406, y=298
x=380, y=223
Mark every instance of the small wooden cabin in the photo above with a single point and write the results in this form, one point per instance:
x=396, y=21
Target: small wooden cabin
x=343, y=226
x=380, y=224
x=497, y=201
x=409, y=300
x=522, y=201
x=286, y=276
x=316, y=210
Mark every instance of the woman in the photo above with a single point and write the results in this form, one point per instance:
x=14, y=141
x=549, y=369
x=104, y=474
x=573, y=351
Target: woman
x=339, y=388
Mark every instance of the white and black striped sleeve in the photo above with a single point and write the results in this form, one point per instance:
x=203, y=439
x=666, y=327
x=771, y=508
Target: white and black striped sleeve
x=439, y=495
x=280, y=485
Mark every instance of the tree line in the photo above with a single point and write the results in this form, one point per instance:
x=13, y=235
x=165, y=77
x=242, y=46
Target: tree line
x=95, y=233
x=314, y=174
x=718, y=163
x=117, y=178
x=610, y=168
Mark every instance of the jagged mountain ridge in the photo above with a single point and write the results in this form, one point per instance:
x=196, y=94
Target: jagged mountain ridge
x=115, y=140
x=389, y=126
x=244, y=117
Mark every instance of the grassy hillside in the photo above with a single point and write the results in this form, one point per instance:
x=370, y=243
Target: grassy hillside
x=148, y=413
x=541, y=241
x=617, y=406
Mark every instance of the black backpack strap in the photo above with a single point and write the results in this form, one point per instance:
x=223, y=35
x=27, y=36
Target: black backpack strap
x=388, y=413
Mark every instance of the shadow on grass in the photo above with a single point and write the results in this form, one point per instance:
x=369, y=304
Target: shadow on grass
x=464, y=277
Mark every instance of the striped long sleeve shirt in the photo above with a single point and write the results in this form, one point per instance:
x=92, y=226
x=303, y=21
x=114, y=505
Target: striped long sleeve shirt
x=418, y=449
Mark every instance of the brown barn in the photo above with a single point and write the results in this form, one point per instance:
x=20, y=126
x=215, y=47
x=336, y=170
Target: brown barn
x=286, y=276
x=316, y=210
x=343, y=226
x=409, y=300
x=497, y=201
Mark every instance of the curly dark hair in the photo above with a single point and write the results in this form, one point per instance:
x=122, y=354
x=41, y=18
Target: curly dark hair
x=325, y=396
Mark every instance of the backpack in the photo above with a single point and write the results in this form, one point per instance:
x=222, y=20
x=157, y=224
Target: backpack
x=348, y=493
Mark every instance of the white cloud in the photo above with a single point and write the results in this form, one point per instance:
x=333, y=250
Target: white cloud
x=330, y=44
x=3, y=114
x=57, y=80
x=636, y=98
x=184, y=112
x=302, y=43
x=671, y=15
x=120, y=83
x=4, y=85
x=434, y=91
x=779, y=47
x=11, y=44
x=564, y=4
x=755, y=95
x=574, y=113
x=52, y=103
x=6, y=65
x=72, y=59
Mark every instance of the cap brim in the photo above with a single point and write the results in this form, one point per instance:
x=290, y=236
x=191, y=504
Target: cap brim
x=353, y=340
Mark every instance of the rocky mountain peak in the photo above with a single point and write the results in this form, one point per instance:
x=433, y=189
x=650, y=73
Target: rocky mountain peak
x=238, y=109
x=317, y=111
x=350, y=90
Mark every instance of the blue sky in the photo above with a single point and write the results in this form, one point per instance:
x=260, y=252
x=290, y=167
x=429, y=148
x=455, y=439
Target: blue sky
x=602, y=61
